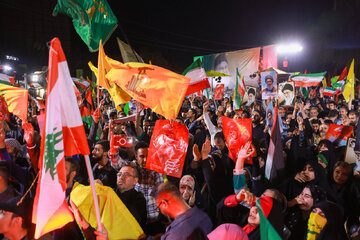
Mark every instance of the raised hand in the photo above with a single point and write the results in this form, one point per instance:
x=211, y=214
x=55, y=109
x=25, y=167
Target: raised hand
x=196, y=153
x=206, y=149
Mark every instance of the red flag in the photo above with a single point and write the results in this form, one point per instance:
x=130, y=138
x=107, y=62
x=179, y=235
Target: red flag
x=237, y=132
x=86, y=105
x=168, y=147
x=339, y=134
x=118, y=141
x=219, y=92
x=4, y=109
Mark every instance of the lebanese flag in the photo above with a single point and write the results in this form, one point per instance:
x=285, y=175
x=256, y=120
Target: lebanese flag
x=275, y=165
x=64, y=135
x=198, y=78
x=308, y=80
x=5, y=79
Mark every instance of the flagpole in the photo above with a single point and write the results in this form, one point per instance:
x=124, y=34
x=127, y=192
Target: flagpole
x=93, y=190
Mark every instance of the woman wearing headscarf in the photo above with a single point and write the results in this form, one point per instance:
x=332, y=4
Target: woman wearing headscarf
x=326, y=222
x=300, y=208
x=249, y=219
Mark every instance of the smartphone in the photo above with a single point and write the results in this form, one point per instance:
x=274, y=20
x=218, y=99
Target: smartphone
x=118, y=141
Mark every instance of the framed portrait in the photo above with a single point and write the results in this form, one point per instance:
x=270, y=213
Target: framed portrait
x=269, y=88
x=286, y=94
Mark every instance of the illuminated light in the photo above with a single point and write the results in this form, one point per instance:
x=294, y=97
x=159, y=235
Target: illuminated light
x=35, y=78
x=7, y=68
x=285, y=64
x=289, y=48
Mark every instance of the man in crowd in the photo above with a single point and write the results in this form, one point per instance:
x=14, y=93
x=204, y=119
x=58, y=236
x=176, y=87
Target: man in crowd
x=127, y=178
x=104, y=173
x=148, y=180
x=186, y=220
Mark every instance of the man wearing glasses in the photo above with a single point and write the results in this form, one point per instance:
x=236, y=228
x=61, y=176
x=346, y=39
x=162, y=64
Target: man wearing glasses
x=127, y=177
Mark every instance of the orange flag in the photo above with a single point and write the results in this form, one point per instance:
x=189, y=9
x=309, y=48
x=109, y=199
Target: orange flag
x=118, y=95
x=15, y=98
x=158, y=88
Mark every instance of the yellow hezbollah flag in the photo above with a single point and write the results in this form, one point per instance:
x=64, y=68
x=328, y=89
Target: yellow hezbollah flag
x=157, y=88
x=118, y=95
x=117, y=219
x=349, y=86
x=16, y=99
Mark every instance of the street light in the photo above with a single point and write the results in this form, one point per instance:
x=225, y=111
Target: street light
x=288, y=48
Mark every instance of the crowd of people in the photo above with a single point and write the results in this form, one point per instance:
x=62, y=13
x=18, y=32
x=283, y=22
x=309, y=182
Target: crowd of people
x=318, y=198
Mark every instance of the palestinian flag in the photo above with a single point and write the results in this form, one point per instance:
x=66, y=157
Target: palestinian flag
x=308, y=80
x=86, y=106
x=329, y=91
x=82, y=83
x=64, y=135
x=275, y=165
x=198, y=78
x=239, y=90
x=5, y=79
x=267, y=231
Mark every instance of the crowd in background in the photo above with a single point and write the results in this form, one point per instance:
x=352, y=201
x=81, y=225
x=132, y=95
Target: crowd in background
x=318, y=198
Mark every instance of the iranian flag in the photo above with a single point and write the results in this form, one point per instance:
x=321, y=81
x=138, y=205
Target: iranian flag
x=329, y=91
x=308, y=80
x=239, y=90
x=64, y=135
x=5, y=79
x=198, y=78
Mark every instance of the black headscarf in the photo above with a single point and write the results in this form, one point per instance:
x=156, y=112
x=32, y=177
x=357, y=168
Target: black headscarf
x=334, y=228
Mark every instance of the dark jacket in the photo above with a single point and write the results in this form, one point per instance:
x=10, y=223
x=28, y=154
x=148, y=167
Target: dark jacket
x=135, y=203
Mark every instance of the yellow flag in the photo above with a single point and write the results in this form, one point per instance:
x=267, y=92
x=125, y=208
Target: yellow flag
x=117, y=219
x=15, y=98
x=349, y=88
x=324, y=83
x=118, y=95
x=155, y=87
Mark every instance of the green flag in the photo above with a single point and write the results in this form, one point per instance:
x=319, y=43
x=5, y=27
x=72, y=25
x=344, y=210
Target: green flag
x=93, y=20
x=239, y=90
x=126, y=109
x=304, y=92
x=267, y=231
x=237, y=96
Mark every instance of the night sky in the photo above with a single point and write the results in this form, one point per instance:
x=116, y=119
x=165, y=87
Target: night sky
x=171, y=33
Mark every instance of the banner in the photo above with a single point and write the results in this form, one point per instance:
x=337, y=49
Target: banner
x=339, y=134
x=168, y=146
x=237, y=132
x=246, y=60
